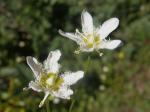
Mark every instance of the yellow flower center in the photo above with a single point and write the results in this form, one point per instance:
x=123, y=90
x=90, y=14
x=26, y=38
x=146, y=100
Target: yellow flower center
x=51, y=81
x=91, y=39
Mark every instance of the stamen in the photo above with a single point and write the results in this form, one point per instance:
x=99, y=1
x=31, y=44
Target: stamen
x=77, y=31
x=25, y=88
x=42, y=102
x=77, y=51
x=100, y=53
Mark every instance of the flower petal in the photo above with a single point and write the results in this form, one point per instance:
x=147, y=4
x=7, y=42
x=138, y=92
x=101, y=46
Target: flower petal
x=63, y=93
x=107, y=27
x=87, y=22
x=35, y=66
x=110, y=44
x=72, y=78
x=71, y=36
x=51, y=63
x=35, y=86
x=86, y=49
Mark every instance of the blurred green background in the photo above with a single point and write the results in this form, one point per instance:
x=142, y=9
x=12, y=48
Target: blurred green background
x=119, y=81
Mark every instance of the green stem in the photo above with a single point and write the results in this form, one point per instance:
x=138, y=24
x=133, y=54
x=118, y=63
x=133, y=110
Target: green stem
x=71, y=106
x=87, y=64
x=47, y=106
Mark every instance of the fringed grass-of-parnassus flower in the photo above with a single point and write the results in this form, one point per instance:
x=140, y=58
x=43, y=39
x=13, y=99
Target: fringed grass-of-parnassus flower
x=93, y=38
x=48, y=80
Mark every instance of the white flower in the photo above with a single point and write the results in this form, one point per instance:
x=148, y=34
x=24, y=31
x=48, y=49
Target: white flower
x=48, y=80
x=93, y=38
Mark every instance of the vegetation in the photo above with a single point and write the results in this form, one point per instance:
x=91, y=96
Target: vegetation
x=116, y=82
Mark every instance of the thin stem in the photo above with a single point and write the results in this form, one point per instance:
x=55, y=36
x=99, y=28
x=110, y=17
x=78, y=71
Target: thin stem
x=87, y=64
x=71, y=106
x=47, y=106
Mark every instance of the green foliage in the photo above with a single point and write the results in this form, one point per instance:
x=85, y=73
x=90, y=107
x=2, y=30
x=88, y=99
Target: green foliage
x=116, y=82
